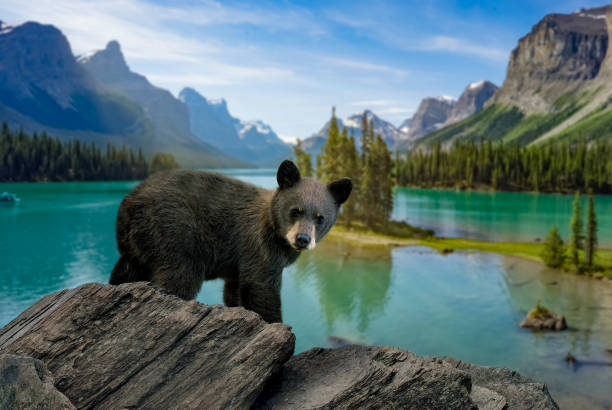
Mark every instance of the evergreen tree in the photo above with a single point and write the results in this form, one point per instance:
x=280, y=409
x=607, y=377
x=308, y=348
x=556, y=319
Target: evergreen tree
x=554, y=251
x=303, y=160
x=163, y=162
x=351, y=168
x=329, y=166
x=577, y=237
x=591, y=236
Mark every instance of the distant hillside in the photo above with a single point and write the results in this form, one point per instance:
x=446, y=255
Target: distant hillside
x=252, y=141
x=557, y=86
x=44, y=88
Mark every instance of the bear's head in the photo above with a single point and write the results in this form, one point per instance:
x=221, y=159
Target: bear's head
x=305, y=209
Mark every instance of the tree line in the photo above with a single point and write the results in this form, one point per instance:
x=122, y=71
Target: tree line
x=551, y=167
x=25, y=158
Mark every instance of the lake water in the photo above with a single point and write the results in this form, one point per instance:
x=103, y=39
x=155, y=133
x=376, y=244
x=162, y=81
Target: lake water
x=466, y=304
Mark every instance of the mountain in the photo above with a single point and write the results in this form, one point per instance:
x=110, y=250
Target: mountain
x=431, y=114
x=41, y=82
x=438, y=112
x=471, y=100
x=251, y=141
x=109, y=67
x=44, y=88
x=386, y=130
x=557, y=86
x=168, y=114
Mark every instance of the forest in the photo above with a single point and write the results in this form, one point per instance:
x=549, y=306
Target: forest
x=560, y=167
x=25, y=158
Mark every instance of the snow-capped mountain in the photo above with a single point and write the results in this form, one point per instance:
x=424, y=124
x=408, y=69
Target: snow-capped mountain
x=438, y=112
x=252, y=141
x=389, y=132
x=471, y=100
x=431, y=114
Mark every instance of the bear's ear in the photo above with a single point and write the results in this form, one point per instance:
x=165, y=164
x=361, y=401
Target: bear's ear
x=340, y=190
x=288, y=175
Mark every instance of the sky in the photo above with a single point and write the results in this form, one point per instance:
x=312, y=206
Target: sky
x=288, y=62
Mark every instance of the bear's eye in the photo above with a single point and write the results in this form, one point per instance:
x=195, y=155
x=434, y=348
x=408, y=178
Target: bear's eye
x=320, y=219
x=295, y=212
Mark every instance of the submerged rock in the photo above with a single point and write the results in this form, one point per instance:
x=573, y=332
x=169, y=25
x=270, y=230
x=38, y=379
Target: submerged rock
x=133, y=346
x=25, y=383
x=540, y=318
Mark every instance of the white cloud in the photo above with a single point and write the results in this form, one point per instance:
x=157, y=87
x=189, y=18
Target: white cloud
x=460, y=46
x=363, y=65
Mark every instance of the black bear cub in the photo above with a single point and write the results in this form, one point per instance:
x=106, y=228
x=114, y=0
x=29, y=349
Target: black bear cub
x=177, y=229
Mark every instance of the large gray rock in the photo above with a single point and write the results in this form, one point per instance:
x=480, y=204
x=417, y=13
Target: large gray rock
x=135, y=346
x=25, y=383
x=490, y=383
x=385, y=377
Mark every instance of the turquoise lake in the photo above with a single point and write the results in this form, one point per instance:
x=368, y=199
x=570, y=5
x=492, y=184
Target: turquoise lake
x=466, y=304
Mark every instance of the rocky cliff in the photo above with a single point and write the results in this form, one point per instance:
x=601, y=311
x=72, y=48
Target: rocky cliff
x=562, y=52
x=133, y=346
x=557, y=86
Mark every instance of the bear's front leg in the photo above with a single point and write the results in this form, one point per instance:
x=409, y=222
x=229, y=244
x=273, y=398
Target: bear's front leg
x=260, y=292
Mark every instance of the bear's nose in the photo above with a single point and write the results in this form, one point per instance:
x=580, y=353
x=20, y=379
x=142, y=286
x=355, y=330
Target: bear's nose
x=302, y=240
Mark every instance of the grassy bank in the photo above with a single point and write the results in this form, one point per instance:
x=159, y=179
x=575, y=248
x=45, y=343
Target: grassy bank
x=527, y=250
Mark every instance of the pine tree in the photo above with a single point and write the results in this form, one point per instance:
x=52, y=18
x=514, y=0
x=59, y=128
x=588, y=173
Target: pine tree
x=329, y=166
x=303, y=160
x=554, y=251
x=577, y=237
x=351, y=164
x=591, y=236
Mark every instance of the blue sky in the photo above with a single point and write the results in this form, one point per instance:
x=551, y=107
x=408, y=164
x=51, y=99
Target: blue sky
x=288, y=62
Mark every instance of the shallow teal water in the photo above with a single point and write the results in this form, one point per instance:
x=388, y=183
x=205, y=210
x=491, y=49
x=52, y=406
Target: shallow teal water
x=465, y=304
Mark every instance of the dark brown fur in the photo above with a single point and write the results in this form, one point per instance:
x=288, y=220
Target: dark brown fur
x=180, y=228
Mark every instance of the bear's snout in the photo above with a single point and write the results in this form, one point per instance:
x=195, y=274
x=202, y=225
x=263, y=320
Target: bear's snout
x=302, y=240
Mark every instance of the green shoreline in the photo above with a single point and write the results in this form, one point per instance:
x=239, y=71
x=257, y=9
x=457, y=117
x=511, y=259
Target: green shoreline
x=526, y=250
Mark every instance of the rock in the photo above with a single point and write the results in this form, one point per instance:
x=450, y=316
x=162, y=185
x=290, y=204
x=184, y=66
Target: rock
x=386, y=377
x=135, y=346
x=517, y=391
x=25, y=383
x=541, y=318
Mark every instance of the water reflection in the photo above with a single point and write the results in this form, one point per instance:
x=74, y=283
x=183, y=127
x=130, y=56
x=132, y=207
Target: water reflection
x=352, y=282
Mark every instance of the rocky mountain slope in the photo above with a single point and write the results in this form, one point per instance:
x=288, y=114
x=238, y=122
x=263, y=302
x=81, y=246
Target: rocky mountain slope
x=252, y=141
x=134, y=346
x=109, y=67
x=44, y=88
x=429, y=116
x=389, y=132
x=557, y=85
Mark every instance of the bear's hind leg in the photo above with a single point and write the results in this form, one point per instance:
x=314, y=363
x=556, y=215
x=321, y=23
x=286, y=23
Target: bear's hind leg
x=182, y=279
x=128, y=270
